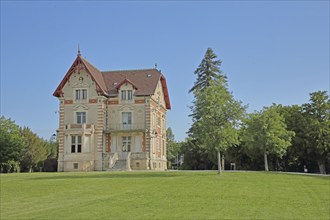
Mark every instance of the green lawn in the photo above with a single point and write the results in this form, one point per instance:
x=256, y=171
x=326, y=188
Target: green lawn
x=164, y=195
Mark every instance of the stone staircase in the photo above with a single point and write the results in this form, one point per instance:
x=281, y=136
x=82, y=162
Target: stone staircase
x=120, y=162
x=120, y=165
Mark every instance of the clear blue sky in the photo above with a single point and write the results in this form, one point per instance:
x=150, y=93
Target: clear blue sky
x=272, y=52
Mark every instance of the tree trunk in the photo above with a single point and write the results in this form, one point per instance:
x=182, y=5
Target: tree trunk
x=266, y=162
x=219, y=163
x=223, y=162
x=321, y=167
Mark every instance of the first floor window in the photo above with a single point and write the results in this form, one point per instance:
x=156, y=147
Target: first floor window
x=81, y=117
x=126, y=147
x=75, y=144
x=127, y=120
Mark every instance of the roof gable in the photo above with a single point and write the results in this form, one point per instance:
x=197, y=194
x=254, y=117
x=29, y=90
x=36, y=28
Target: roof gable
x=125, y=81
x=82, y=64
x=107, y=83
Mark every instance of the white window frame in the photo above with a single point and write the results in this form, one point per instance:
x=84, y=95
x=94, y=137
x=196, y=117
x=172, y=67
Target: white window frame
x=84, y=94
x=126, y=95
x=76, y=142
x=126, y=143
x=123, y=95
x=127, y=122
x=81, y=94
x=129, y=95
x=80, y=118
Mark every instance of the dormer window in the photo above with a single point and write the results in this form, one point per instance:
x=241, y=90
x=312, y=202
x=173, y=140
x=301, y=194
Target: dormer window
x=123, y=94
x=129, y=95
x=126, y=95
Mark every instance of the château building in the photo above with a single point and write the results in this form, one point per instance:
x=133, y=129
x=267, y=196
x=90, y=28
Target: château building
x=111, y=120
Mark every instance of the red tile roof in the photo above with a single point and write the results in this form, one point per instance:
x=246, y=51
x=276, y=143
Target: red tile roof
x=145, y=80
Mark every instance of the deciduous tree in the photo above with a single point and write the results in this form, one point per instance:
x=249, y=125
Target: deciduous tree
x=34, y=149
x=216, y=118
x=265, y=132
x=317, y=112
x=11, y=144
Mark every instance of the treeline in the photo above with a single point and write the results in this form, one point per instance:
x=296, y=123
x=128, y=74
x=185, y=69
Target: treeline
x=21, y=150
x=281, y=138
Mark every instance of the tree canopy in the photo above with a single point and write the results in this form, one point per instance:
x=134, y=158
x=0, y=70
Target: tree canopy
x=21, y=149
x=208, y=71
x=266, y=132
x=317, y=114
x=215, y=113
x=11, y=142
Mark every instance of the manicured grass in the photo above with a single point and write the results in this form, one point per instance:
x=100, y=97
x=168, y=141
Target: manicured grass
x=164, y=195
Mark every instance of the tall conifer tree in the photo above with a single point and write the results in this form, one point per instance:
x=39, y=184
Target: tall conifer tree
x=207, y=71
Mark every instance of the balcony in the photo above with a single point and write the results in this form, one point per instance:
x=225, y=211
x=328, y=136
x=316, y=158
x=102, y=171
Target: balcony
x=79, y=128
x=125, y=127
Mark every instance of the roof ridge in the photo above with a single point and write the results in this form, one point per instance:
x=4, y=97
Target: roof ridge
x=109, y=71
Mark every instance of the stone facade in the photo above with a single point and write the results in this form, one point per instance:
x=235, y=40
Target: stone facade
x=111, y=120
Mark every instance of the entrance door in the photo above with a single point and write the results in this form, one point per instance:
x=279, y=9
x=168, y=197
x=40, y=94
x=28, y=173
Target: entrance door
x=126, y=146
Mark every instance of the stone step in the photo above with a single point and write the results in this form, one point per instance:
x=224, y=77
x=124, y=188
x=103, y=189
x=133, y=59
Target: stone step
x=120, y=165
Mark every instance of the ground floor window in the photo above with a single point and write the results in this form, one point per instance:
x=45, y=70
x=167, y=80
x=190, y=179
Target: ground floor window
x=75, y=166
x=75, y=144
x=126, y=143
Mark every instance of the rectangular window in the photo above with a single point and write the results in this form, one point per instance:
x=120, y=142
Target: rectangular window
x=126, y=147
x=76, y=145
x=75, y=166
x=77, y=94
x=127, y=120
x=73, y=144
x=129, y=95
x=123, y=95
x=84, y=94
x=81, y=94
x=79, y=144
x=81, y=117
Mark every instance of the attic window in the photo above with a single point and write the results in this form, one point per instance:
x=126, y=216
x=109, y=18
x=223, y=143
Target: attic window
x=149, y=75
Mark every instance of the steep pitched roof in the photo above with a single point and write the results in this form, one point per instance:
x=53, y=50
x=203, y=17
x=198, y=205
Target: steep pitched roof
x=79, y=64
x=108, y=82
x=145, y=80
x=97, y=75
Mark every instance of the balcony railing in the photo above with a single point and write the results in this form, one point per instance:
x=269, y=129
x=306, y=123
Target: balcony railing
x=79, y=127
x=126, y=127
